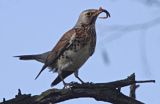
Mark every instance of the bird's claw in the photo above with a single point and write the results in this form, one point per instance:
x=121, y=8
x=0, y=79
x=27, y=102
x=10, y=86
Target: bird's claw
x=70, y=85
x=67, y=86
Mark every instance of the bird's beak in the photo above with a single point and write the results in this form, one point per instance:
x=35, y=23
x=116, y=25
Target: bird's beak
x=101, y=10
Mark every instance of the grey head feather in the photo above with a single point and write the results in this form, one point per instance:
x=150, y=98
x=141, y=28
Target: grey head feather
x=84, y=19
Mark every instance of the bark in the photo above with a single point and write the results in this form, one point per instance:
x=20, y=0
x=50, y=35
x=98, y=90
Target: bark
x=106, y=92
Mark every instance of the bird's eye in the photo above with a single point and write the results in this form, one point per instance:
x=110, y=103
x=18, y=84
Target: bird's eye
x=89, y=14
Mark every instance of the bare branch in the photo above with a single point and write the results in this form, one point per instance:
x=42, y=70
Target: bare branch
x=107, y=92
x=133, y=88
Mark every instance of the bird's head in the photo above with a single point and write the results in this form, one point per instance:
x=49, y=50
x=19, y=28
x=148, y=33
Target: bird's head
x=89, y=16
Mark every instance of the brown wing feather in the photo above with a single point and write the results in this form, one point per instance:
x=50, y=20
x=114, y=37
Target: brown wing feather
x=93, y=44
x=63, y=44
x=60, y=47
x=58, y=50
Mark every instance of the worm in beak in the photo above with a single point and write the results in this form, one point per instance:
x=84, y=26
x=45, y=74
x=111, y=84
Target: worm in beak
x=106, y=12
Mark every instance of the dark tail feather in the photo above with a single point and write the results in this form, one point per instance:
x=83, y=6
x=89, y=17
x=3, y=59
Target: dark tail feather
x=64, y=74
x=38, y=57
x=44, y=66
x=27, y=57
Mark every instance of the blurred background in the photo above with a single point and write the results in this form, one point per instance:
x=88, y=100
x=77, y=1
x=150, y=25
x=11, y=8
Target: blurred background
x=128, y=42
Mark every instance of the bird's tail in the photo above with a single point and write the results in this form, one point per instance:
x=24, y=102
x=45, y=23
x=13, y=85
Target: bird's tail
x=28, y=57
x=64, y=74
x=38, y=57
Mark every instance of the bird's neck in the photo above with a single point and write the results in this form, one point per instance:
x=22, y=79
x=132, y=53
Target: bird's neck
x=81, y=25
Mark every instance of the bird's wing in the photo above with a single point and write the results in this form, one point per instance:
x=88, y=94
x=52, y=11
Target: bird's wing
x=64, y=43
x=93, y=44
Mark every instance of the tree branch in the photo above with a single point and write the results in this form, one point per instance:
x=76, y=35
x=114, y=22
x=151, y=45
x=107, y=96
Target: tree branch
x=133, y=88
x=107, y=92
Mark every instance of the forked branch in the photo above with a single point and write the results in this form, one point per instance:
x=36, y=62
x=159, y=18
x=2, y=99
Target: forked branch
x=107, y=92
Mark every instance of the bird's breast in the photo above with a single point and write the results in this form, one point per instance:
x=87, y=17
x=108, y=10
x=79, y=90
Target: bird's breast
x=74, y=57
x=81, y=48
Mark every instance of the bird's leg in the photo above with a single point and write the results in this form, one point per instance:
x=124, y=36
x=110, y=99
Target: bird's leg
x=60, y=75
x=64, y=83
x=76, y=75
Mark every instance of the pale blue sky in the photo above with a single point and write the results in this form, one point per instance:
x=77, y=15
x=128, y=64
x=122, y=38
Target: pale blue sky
x=35, y=26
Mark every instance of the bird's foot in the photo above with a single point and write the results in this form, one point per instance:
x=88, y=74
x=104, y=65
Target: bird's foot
x=82, y=83
x=67, y=86
x=70, y=85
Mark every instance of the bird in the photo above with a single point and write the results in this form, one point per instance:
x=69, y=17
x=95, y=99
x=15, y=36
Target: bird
x=73, y=49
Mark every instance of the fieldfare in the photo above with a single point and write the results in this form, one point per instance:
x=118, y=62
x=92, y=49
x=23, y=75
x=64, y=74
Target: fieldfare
x=73, y=49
